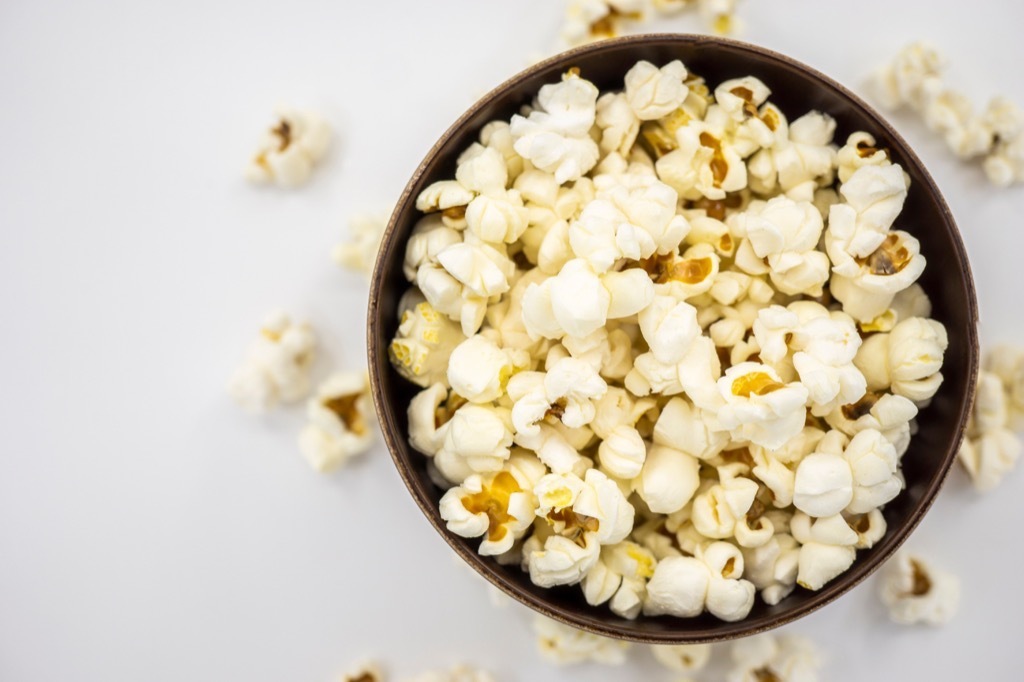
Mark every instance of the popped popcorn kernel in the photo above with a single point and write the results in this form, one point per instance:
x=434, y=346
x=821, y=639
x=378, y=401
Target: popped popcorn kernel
x=277, y=367
x=340, y=421
x=914, y=591
x=288, y=151
x=565, y=645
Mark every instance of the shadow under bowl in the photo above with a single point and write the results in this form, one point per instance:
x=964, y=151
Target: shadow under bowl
x=796, y=89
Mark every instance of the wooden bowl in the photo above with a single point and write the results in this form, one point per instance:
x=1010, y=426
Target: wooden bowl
x=796, y=89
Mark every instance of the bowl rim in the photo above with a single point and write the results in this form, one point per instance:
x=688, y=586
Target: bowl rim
x=857, y=573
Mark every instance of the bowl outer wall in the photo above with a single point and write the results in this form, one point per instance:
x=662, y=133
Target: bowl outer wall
x=796, y=89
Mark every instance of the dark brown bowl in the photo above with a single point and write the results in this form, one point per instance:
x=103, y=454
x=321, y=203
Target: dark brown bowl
x=796, y=89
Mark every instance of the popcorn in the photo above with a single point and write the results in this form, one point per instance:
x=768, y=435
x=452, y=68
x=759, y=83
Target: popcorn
x=288, y=151
x=1007, y=363
x=477, y=439
x=990, y=449
x=759, y=407
x=277, y=367
x=565, y=645
x=578, y=296
x=340, y=418
x=668, y=479
x=783, y=234
x=767, y=657
x=555, y=137
x=827, y=548
x=916, y=592
x=652, y=92
x=478, y=369
x=578, y=301
x=499, y=506
x=682, y=658
x=425, y=341
x=906, y=360
x=361, y=253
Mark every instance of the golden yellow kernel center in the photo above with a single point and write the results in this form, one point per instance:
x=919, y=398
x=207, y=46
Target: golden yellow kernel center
x=691, y=270
x=719, y=166
x=493, y=500
x=755, y=383
x=347, y=410
x=889, y=258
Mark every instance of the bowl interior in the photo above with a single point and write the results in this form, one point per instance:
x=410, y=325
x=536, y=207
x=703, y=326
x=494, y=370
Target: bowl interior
x=796, y=89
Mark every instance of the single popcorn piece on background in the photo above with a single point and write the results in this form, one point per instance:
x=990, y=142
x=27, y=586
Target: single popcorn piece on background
x=682, y=658
x=565, y=645
x=277, y=367
x=587, y=21
x=460, y=673
x=365, y=671
x=767, y=657
x=289, y=150
x=341, y=421
x=914, y=591
x=360, y=253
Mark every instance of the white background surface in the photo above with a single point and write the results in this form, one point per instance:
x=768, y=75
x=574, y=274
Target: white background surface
x=149, y=530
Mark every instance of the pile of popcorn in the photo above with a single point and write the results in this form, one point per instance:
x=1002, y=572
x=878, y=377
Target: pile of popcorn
x=588, y=21
x=670, y=344
x=996, y=135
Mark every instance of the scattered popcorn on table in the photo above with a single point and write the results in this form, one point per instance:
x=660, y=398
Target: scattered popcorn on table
x=565, y=645
x=341, y=421
x=995, y=135
x=917, y=592
x=766, y=657
x=991, y=447
x=277, y=367
x=587, y=21
x=361, y=252
x=677, y=355
x=289, y=150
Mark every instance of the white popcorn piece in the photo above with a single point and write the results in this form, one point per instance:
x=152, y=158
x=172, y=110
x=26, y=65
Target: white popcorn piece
x=807, y=154
x=786, y=658
x=887, y=413
x=618, y=123
x=669, y=327
x=423, y=345
x=277, y=366
x=288, y=151
x=478, y=369
x=477, y=439
x=990, y=457
x=729, y=597
x=826, y=548
x=622, y=452
x=772, y=567
x=429, y=237
x=759, y=406
x=668, y=479
x=652, y=92
x=567, y=392
x=556, y=135
x=867, y=287
x=682, y=658
x=367, y=230
x=620, y=578
x=679, y=588
x=1007, y=362
x=649, y=205
x=565, y=645
x=704, y=163
x=906, y=360
x=874, y=464
x=426, y=428
x=498, y=507
x=784, y=233
x=682, y=426
x=908, y=78
x=717, y=509
x=578, y=301
x=823, y=485
x=915, y=591
x=860, y=150
x=341, y=419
